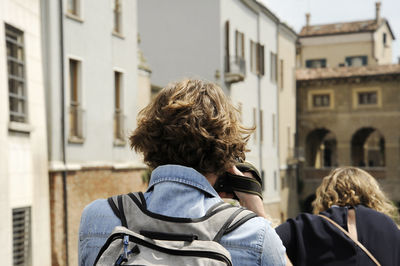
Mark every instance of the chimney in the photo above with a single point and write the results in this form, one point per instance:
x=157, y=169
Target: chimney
x=377, y=12
x=307, y=20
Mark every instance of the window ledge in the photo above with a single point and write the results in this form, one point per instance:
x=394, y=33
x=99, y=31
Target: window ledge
x=118, y=34
x=19, y=127
x=119, y=142
x=76, y=140
x=74, y=17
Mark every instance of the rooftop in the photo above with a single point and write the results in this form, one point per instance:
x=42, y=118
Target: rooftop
x=343, y=28
x=305, y=74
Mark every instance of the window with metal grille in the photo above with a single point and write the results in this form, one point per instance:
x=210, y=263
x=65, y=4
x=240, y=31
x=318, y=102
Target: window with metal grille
x=22, y=236
x=73, y=7
x=16, y=75
x=75, y=108
x=119, y=118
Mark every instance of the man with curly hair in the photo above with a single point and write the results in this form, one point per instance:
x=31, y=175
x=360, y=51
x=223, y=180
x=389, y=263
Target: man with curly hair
x=189, y=135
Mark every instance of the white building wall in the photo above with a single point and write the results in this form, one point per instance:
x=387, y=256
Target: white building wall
x=180, y=39
x=269, y=105
x=23, y=154
x=89, y=39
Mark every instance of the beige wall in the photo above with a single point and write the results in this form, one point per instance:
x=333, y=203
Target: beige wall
x=287, y=96
x=336, y=53
x=287, y=123
x=383, y=53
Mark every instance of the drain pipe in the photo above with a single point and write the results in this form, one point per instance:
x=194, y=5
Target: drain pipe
x=63, y=139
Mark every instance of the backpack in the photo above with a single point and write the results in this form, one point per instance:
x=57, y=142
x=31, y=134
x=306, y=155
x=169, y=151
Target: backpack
x=147, y=238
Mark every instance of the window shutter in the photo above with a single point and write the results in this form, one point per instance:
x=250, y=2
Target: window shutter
x=242, y=35
x=22, y=236
x=309, y=62
x=364, y=60
x=227, y=65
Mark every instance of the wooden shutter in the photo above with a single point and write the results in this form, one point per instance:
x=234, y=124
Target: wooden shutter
x=227, y=65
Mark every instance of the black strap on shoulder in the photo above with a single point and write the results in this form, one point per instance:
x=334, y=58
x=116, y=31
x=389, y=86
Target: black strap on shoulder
x=221, y=232
x=121, y=211
x=114, y=207
x=240, y=222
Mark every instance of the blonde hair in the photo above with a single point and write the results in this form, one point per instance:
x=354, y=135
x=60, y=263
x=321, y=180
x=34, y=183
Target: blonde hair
x=350, y=186
x=191, y=123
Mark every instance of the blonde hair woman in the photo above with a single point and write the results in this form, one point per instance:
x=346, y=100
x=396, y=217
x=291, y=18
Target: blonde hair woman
x=351, y=198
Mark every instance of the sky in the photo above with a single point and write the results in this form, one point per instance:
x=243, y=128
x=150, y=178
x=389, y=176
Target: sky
x=330, y=11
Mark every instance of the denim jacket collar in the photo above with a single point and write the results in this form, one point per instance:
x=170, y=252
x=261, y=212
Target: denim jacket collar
x=181, y=174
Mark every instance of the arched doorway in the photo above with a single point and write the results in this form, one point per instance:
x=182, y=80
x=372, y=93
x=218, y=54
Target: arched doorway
x=368, y=148
x=321, y=149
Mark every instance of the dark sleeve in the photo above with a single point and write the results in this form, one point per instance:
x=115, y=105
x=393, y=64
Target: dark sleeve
x=293, y=242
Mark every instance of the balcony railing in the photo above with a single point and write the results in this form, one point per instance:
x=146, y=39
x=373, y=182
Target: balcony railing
x=76, y=115
x=235, y=69
x=119, y=125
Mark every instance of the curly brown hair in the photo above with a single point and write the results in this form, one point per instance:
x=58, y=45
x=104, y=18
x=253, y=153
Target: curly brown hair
x=351, y=186
x=191, y=123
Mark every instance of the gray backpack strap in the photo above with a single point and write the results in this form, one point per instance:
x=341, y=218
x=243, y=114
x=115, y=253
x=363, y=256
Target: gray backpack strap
x=220, y=219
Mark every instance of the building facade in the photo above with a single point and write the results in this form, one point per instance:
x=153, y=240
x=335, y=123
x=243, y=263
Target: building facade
x=236, y=47
x=24, y=194
x=349, y=116
x=287, y=120
x=347, y=93
x=92, y=98
x=356, y=43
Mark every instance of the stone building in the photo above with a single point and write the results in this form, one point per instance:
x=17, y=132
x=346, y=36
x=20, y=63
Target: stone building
x=94, y=88
x=350, y=116
x=24, y=193
x=347, y=102
x=235, y=46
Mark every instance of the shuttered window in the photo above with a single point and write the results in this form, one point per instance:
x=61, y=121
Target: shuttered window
x=22, y=236
x=18, y=105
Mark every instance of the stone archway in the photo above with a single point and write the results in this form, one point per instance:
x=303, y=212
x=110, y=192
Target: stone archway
x=321, y=149
x=368, y=148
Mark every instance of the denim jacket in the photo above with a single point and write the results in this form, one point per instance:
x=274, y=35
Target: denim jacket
x=180, y=191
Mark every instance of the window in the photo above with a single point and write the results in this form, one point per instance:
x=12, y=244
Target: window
x=321, y=100
x=367, y=98
x=357, y=61
x=257, y=58
x=73, y=7
x=384, y=39
x=316, y=63
x=75, y=111
x=274, y=67
x=119, y=136
x=117, y=16
x=21, y=236
x=239, y=41
x=16, y=75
